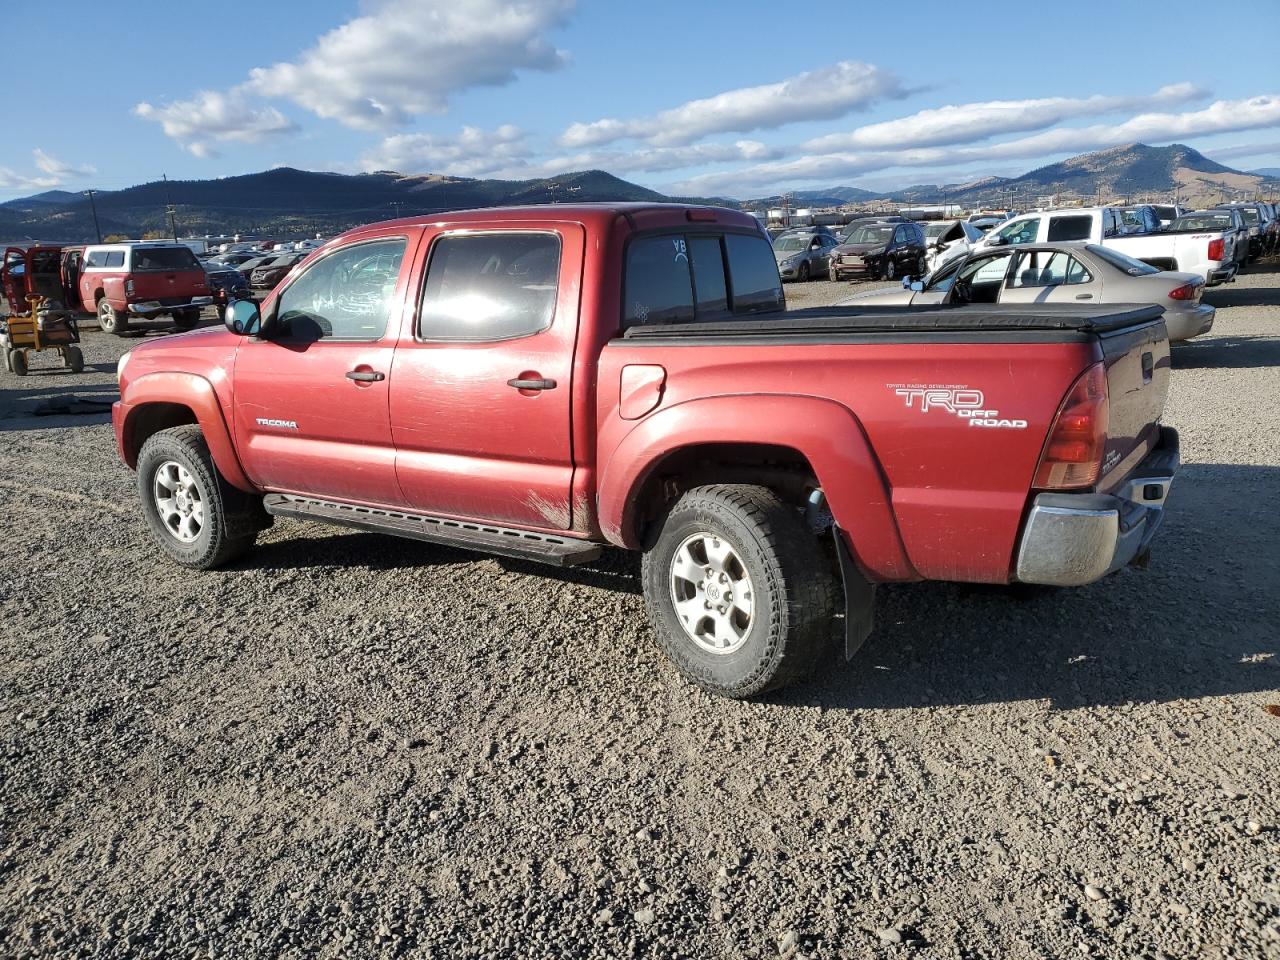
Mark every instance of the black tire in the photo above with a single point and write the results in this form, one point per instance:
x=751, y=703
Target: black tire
x=186, y=319
x=803, y=273
x=18, y=363
x=922, y=267
x=231, y=518
x=890, y=271
x=110, y=319
x=791, y=578
x=73, y=359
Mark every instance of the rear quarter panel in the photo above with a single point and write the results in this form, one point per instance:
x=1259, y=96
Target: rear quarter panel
x=958, y=491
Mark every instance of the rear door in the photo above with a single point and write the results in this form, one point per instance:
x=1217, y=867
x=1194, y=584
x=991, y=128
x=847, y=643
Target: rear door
x=1050, y=276
x=480, y=392
x=311, y=402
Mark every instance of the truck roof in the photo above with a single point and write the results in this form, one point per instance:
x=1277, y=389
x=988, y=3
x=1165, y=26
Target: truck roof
x=599, y=215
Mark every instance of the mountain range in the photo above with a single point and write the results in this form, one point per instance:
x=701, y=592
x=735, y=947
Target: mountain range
x=289, y=202
x=1131, y=170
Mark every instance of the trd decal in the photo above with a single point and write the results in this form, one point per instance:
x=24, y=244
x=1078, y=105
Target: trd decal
x=962, y=402
x=285, y=424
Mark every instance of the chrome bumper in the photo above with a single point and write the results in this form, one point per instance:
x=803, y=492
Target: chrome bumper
x=153, y=308
x=1071, y=539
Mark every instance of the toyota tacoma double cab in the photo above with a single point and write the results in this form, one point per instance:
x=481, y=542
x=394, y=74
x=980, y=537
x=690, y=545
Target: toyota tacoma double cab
x=546, y=382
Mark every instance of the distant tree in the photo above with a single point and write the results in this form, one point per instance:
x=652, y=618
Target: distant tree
x=114, y=238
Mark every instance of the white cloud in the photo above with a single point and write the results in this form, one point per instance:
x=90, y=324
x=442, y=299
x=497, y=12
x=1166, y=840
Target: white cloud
x=408, y=57
x=1267, y=151
x=473, y=153
x=55, y=173
x=1223, y=116
x=215, y=116
x=58, y=169
x=832, y=91
x=971, y=122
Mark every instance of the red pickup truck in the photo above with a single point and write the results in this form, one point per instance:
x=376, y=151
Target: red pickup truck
x=541, y=382
x=142, y=280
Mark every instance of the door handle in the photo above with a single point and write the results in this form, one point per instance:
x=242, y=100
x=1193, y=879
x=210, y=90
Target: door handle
x=532, y=384
x=1084, y=296
x=365, y=376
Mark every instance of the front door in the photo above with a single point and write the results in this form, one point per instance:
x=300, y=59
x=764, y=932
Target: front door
x=480, y=392
x=311, y=401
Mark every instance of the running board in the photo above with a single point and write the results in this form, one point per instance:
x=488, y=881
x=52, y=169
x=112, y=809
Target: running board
x=523, y=544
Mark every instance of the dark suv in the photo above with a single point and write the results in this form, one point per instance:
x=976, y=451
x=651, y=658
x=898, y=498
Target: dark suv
x=880, y=251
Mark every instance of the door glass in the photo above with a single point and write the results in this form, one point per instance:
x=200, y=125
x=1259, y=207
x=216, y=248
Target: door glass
x=1070, y=228
x=345, y=296
x=1021, y=231
x=495, y=286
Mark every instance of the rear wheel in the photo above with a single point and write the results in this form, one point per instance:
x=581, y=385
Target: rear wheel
x=110, y=319
x=739, y=591
x=195, y=516
x=73, y=359
x=18, y=362
x=186, y=319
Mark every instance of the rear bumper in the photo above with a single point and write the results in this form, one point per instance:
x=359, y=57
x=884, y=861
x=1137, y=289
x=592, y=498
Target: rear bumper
x=1071, y=539
x=1185, y=324
x=1222, y=273
x=154, y=308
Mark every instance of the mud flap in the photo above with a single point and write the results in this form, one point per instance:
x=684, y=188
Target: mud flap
x=859, y=599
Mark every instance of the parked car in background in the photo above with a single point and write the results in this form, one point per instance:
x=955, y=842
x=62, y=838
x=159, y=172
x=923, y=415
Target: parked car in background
x=803, y=255
x=881, y=251
x=1068, y=273
x=247, y=267
x=142, y=280
x=268, y=275
x=1168, y=212
x=985, y=222
x=948, y=239
x=1106, y=226
x=1255, y=222
x=226, y=284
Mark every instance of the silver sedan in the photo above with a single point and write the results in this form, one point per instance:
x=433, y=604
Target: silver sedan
x=1057, y=273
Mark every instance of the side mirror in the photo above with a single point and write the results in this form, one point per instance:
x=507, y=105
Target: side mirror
x=916, y=285
x=242, y=317
x=996, y=241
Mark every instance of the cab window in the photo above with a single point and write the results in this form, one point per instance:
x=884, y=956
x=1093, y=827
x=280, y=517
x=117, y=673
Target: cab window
x=344, y=296
x=1020, y=231
x=494, y=286
x=1070, y=228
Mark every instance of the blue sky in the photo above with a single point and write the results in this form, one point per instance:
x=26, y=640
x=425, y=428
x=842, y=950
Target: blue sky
x=743, y=99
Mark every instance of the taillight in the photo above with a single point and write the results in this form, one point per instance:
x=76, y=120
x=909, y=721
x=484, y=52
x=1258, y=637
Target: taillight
x=1187, y=291
x=1217, y=248
x=128, y=288
x=1072, y=456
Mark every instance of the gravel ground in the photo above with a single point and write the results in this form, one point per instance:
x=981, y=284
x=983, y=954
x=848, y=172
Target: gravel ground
x=349, y=745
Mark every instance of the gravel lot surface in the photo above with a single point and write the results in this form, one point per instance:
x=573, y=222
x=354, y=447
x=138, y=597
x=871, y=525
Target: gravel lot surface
x=348, y=745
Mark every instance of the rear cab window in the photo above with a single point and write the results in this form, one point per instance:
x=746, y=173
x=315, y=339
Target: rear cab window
x=1070, y=228
x=164, y=258
x=687, y=277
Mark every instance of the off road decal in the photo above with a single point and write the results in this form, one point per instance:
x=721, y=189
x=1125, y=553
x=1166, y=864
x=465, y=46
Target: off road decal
x=959, y=400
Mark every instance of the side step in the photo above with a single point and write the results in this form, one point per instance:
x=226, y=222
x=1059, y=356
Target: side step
x=523, y=544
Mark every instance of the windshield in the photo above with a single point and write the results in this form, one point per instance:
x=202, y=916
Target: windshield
x=1220, y=222
x=792, y=243
x=1250, y=215
x=164, y=258
x=1134, y=268
x=871, y=234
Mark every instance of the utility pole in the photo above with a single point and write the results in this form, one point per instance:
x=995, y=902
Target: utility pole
x=396, y=205
x=94, y=207
x=169, y=208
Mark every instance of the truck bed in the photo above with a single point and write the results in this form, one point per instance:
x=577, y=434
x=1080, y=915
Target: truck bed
x=1019, y=322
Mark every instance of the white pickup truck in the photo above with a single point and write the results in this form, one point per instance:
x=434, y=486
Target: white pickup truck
x=1210, y=253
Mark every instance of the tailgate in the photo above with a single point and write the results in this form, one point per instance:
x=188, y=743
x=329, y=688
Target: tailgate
x=164, y=284
x=1137, y=363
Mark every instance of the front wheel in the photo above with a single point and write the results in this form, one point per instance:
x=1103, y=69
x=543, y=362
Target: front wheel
x=803, y=274
x=739, y=591
x=110, y=319
x=890, y=270
x=73, y=359
x=18, y=362
x=195, y=516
